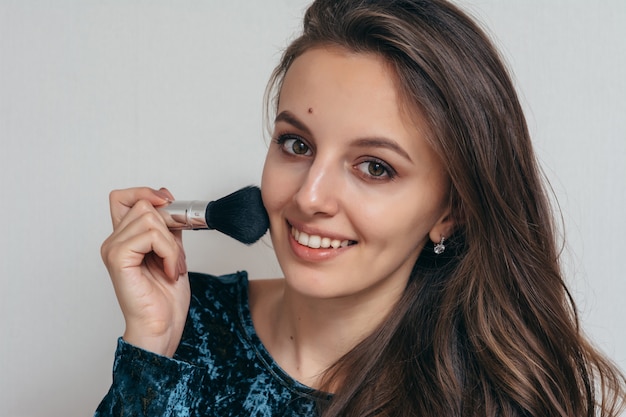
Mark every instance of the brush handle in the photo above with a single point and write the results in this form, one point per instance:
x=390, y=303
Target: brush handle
x=185, y=215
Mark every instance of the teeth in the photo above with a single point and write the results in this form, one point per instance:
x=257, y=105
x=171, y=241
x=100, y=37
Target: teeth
x=303, y=239
x=316, y=242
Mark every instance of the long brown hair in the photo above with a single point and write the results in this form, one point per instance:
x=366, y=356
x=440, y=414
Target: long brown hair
x=489, y=327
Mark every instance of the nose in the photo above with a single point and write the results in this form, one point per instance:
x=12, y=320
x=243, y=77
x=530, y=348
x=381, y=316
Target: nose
x=319, y=191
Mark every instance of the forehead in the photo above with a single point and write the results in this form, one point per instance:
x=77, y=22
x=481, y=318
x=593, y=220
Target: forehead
x=335, y=80
x=340, y=70
x=343, y=73
x=366, y=83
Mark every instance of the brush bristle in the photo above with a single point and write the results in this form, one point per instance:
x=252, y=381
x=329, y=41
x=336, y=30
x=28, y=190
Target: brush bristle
x=240, y=215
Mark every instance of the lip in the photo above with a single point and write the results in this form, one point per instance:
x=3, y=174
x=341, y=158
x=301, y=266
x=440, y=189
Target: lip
x=314, y=255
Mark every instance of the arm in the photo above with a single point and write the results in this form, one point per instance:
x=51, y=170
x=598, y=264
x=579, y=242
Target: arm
x=147, y=384
x=146, y=263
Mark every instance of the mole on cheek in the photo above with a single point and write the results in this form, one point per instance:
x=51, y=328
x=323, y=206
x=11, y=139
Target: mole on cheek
x=310, y=110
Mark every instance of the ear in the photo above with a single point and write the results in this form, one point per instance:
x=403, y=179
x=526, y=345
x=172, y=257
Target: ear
x=444, y=227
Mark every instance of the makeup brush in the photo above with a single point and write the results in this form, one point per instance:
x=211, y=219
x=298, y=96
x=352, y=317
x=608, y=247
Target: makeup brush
x=240, y=215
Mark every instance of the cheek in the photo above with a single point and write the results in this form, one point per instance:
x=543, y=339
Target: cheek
x=275, y=186
x=268, y=188
x=404, y=221
x=389, y=223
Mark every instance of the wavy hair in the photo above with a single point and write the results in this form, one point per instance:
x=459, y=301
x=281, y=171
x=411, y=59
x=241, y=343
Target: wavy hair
x=488, y=328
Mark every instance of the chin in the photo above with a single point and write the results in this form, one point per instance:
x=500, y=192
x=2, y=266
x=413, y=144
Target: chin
x=316, y=284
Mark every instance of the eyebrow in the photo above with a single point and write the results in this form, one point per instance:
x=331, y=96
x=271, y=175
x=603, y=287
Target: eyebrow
x=288, y=117
x=383, y=143
x=373, y=142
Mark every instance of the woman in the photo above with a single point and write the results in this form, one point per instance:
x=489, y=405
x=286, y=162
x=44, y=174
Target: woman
x=414, y=232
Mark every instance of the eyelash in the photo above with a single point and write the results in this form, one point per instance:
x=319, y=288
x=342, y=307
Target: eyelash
x=389, y=172
x=281, y=141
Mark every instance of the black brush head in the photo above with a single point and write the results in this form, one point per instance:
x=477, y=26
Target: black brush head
x=240, y=215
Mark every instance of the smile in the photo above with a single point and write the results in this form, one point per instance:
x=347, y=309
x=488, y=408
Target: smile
x=316, y=242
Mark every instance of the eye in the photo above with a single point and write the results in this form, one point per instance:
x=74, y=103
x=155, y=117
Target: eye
x=376, y=169
x=293, y=144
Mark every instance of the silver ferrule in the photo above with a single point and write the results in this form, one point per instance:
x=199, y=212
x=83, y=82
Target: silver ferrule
x=185, y=215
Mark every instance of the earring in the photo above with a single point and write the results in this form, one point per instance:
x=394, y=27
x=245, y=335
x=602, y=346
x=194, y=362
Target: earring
x=440, y=247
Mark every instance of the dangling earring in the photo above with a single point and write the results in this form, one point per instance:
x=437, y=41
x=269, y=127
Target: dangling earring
x=440, y=247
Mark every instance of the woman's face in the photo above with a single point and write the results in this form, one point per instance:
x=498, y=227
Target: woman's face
x=352, y=189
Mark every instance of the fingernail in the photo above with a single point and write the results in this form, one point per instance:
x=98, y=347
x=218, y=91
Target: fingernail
x=163, y=195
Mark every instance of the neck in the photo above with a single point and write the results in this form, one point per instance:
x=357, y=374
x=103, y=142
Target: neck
x=305, y=336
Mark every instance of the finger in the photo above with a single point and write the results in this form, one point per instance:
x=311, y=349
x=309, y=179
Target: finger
x=167, y=193
x=130, y=253
x=182, y=259
x=168, y=250
x=121, y=201
x=144, y=216
x=140, y=220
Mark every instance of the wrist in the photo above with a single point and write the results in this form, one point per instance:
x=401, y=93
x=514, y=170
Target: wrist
x=164, y=344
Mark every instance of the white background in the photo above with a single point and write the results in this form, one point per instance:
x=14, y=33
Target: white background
x=97, y=95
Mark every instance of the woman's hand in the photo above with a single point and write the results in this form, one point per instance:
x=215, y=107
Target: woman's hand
x=146, y=262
